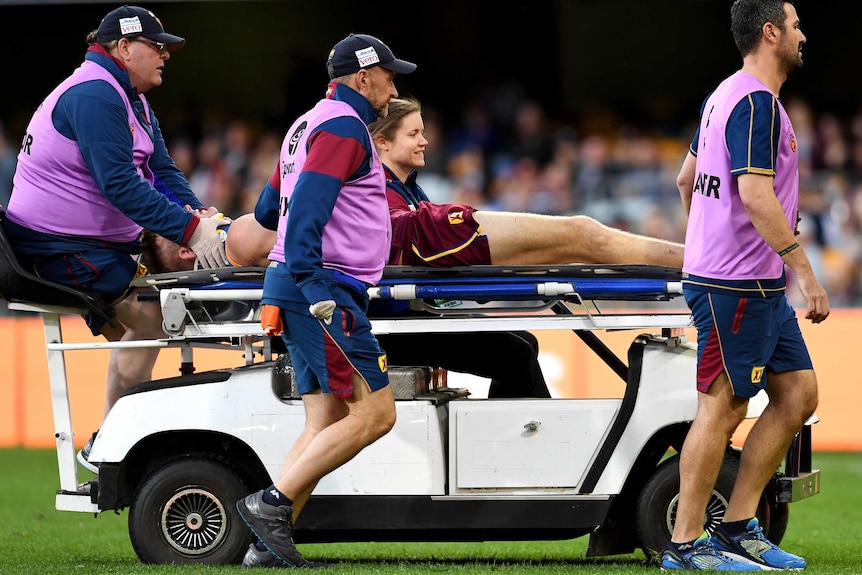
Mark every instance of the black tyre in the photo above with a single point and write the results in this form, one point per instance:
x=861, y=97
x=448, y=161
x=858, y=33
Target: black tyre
x=185, y=512
x=656, y=506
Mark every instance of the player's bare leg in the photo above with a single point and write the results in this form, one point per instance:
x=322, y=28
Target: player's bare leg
x=370, y=415
x=792, y=400
x=322, y=410
x=130, y=366
x=529, y=239
x=719, y=413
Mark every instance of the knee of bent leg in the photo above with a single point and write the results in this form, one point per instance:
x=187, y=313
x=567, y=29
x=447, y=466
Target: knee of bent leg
x=380, y=424
x=594, y=235
x=387, y=419
x=798, y=396
x=584, y=224
x=810, y=402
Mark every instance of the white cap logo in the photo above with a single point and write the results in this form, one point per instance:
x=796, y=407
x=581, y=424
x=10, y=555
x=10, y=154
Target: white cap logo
x=131, y=26
x=367, y=57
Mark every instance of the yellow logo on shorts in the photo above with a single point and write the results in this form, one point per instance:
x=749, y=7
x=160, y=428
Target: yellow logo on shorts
x=456, y=217
x=757, y=374
x=381, y=361
x=141, y=271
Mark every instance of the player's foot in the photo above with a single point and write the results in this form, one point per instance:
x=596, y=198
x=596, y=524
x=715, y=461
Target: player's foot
x=702, y=556
x=752, y=547
x=84, y=455
x=273, y=524
x=254, y=557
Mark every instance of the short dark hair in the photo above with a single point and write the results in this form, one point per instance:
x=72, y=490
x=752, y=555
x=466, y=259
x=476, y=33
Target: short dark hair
x=150, y=256
x=747, y=18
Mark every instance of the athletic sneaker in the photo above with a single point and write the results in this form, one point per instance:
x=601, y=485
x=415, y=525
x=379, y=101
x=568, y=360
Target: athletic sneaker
x=701, y=557
x=254, y=557
x=752, y=547
x=84, y=455
x=273, y=524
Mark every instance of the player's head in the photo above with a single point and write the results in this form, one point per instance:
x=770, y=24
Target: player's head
x=161, y=255
x=400, y=136
x=398, y=109
x=361, y=52
x=748, y=17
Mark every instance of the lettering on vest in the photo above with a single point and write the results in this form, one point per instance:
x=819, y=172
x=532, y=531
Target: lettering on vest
x=26, y=143
x=287, y=168
x=707, y=185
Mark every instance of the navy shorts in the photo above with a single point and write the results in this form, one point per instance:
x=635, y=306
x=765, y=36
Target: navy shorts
x=105, y=271
x=326, y=356
x=82, y=263
x=746, y=328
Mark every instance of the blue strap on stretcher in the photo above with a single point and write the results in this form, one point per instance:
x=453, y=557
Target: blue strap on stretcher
x=518, y=288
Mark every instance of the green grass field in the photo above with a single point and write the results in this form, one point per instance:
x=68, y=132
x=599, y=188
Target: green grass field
x=37, y=539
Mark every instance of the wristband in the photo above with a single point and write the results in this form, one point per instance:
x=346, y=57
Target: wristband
x=788, y=249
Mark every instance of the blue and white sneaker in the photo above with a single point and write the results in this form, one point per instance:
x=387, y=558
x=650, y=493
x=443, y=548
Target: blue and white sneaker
x=752, y=547
x=701, y=557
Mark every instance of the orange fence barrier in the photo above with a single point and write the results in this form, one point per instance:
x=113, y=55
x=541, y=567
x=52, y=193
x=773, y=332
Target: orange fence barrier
x=572, y=370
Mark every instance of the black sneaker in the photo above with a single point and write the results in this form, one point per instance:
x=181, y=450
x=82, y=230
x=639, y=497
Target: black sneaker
x=254, y=557
x=84, y=455
x=274, y=527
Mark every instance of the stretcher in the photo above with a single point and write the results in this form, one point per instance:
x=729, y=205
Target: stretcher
x=500, y=298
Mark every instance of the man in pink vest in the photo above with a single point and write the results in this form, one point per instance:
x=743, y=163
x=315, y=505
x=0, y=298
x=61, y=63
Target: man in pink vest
x=332, y=243
x=92, y=172
x=740, y=186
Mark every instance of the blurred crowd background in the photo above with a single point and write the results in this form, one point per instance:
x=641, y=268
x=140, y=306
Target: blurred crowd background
x=510, y=154
x=559, y=107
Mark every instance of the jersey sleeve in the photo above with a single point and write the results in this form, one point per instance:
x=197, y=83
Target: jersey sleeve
x=267, y=206
x=753, y=132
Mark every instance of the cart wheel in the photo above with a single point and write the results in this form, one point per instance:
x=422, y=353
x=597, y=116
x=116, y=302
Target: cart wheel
x=656, y=506
x=185, y=512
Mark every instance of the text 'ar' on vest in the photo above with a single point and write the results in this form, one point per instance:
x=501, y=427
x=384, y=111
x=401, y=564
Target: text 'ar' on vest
x=707, y=185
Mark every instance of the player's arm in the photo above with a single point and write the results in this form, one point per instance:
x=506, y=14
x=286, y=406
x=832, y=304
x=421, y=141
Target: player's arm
x=685, y=180
x=764, y=210
x=169, y=179
x=752, y=129
x=266, y=208
x=688, y=171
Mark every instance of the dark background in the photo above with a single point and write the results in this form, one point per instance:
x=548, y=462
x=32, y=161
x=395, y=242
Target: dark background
x=645, y=62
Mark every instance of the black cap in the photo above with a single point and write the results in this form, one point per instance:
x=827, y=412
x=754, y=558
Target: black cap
x=359, y=51
x=134, y=21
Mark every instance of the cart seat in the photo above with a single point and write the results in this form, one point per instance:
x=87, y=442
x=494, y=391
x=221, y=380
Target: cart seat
x=17, y=284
